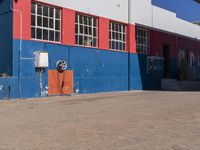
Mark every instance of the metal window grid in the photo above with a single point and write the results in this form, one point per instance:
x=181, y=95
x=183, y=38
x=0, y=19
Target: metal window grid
x=45, y=22
x=142, y=41
x=117, y=36
x=86, y=30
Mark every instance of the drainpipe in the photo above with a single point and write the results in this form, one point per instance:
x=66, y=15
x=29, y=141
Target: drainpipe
x=20, y=46
x=129, y=55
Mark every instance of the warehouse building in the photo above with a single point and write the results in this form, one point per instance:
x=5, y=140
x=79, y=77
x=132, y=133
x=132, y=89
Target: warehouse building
x=58, y=47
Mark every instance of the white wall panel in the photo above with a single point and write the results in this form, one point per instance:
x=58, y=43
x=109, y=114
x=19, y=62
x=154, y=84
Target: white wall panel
x=188, y=29
x=163, y=19
x=141, y=12
x=113, y=9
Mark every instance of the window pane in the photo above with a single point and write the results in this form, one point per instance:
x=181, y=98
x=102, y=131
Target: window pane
x=33, y=8
x=57, y=36
x=51, y=35
x=77, y=39
x=76, y=29
x=117, y=35
x=44, y=25
x=57, y=14
x=85, y=30
x=45, y=34
x=39, y=33
x=57, y=25
x=33, y=20
x=81, y=40
x=39, y=10
x=45, y=11
x=143, y=41
x=32, y=32
x=51, y=25
x=45, y=22
x=39, y=21
x=51, y=12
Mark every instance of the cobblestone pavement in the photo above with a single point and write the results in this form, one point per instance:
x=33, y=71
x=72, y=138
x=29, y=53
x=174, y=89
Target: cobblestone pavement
x=106, y=121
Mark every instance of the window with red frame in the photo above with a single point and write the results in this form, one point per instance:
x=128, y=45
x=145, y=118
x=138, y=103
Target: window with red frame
x=86, y=30
x=142, y=40
x=45, y=22
x=117, y=37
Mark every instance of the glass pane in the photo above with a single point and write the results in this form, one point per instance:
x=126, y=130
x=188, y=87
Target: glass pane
x=39, y=21
x=51, y=12
x=57, y=13
x=51, y=25
x=57, y=36
x=33, y=6
x=57, y=25
x=39, y=33
x=39, y=9
x=94, y=32
x=81, y=40
x=77, y=19
x=81, y=29
x=86, y=30
x=51, y=35
x=33, y=20
x=94, y=22
x=45, y=11
x=45, y=34
x=32, y=32
x=45, y=22
x=77, y=39
x=90, y=30
x=94, y=43
x=76, y=28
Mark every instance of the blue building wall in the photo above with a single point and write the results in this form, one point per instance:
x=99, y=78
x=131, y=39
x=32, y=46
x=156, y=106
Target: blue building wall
x=6, y=25
x=140, y=80
x=9, y=88
x=94, y=70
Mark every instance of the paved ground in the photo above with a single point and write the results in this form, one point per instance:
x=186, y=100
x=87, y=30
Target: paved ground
x=112, y=121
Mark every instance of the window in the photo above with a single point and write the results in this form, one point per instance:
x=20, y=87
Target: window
x=86, y=30
x=45, y=22
x=117, y=36
x=142, y=40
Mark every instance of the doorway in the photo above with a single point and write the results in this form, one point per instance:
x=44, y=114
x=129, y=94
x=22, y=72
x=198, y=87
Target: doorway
x=166, y=56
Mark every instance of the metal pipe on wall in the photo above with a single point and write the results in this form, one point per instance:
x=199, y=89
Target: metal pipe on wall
x=129, y=54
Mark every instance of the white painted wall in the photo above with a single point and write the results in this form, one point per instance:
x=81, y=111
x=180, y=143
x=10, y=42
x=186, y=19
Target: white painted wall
x=163, y=19
x=113, y=9
x=142, y=12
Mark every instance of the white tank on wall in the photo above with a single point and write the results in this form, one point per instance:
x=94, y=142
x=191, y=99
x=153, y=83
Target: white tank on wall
x=41, y=59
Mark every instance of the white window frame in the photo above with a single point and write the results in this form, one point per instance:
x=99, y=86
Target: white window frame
x=117, y=36
x=142, y=40
x=49, y=29
x=86, y=30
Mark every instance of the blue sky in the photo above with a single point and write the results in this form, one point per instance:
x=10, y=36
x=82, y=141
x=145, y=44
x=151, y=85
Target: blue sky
x=185, y=9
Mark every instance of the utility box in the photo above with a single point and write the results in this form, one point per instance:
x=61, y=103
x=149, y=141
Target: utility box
x=155, y=66
x=41, y=59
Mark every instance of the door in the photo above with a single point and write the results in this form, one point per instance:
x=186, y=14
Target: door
x=166, y=56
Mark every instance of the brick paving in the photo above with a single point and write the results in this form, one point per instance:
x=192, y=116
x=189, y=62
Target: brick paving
x=106, y=121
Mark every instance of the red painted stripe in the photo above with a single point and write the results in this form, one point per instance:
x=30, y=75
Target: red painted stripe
x=157, y=38
x=131, y=38
x=68, y=27
x=103, y=33
x=22, y=19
